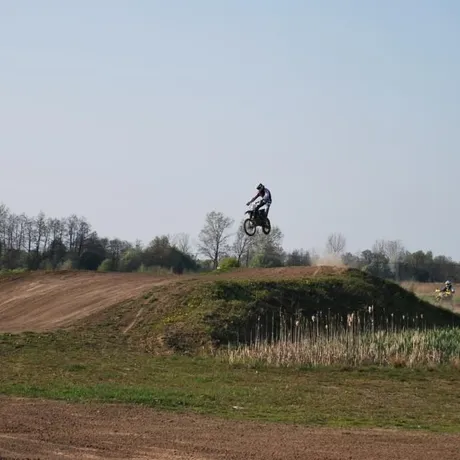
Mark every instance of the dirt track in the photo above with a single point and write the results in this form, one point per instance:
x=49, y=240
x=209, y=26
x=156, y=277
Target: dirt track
x=56, y=430
x=41, y=302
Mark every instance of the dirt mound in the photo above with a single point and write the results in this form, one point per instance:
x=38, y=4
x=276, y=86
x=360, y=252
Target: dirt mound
x=46, y=301
x=40, y=302
x=56, y=430
x=283, y=272
x=234, y=307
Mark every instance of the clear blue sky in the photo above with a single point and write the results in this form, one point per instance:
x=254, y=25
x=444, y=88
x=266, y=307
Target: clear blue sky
x=144, y=115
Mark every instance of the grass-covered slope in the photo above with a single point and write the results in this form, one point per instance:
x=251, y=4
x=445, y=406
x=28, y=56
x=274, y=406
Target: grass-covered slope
x=216, y=310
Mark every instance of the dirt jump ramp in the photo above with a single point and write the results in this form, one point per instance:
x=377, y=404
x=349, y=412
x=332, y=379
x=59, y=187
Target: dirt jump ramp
x=42, y=302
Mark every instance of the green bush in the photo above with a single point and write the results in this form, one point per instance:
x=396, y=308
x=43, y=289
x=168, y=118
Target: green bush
x=228, y=263
x=106, y=266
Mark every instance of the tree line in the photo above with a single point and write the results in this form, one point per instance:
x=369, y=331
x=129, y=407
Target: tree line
x=42, y=242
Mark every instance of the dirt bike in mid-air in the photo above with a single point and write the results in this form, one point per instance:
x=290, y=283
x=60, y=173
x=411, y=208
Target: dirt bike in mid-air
x=256, y=219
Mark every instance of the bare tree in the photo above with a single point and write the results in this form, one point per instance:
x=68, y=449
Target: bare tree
x=30, y=235
x=71, y=231
x=242, y=244
x=336, y=243
x=56, y=229
x=41, y=233
x=393, y=250
x=314, y=256
x=379, y=247
x=268, y=249
x=213, y=238
x=20, y=235
x=83, y=232
x=4, y=214
x=298, y=257
x=4, y=211
x=12, y=232
x=181, y=241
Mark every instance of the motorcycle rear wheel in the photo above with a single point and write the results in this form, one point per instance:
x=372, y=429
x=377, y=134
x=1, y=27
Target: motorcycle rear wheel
x=267, y=226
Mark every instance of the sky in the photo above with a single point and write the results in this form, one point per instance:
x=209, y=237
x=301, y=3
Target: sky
x=145, y=115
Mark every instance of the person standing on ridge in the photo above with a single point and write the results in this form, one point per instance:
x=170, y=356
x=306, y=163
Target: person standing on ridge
x=266, y=200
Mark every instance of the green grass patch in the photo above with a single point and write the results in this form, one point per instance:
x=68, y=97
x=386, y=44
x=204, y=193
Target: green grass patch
x=65, y=366
x=10, y=275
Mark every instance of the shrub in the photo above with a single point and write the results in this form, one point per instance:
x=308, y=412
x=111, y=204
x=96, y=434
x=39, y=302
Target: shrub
x=106, y=266
x=228, y=263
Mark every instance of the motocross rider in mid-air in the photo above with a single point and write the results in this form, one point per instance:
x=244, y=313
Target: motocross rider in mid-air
x=266, y=200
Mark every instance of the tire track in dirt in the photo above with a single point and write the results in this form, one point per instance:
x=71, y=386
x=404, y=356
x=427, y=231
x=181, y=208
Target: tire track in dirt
x=134, y=321
x=43, y=302
x=52, y=430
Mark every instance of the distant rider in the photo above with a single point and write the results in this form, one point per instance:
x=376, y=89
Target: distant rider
x=448, y=287
x=266, y=200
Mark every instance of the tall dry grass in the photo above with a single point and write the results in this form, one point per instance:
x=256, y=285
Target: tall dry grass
x=311, y=342
x=421, y=288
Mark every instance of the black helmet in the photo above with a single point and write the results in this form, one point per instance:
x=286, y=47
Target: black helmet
x=260, y=187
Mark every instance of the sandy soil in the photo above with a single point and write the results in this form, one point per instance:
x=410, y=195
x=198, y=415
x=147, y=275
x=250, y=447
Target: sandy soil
x=57, y=430
x=41, y=302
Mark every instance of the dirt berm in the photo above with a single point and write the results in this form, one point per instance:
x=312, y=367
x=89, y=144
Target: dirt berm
x=207, y=310
x=46, y=301
x=185, y=312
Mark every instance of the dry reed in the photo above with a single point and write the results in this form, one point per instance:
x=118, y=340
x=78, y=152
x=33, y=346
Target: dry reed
x=326, y=341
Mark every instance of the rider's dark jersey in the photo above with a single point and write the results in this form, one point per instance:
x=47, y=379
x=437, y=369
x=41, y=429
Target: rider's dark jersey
x=265, y=195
